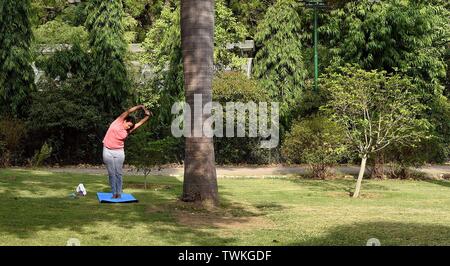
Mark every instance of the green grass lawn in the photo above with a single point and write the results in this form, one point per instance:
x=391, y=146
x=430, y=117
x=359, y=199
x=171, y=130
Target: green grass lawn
x=36, y=209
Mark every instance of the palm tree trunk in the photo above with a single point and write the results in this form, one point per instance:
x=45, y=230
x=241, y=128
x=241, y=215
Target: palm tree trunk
x=197, y=42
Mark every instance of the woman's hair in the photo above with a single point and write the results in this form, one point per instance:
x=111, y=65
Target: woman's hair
x=132, y=120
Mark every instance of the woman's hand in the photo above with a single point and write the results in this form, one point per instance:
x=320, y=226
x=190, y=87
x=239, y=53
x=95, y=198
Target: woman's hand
x=143, y=120
x=147, y=112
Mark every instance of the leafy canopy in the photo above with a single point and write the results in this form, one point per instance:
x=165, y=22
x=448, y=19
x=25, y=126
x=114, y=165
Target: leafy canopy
x=279, y=63
x=16, y=73
x=108, y=48
x=163, y=45
x=405, y=36
x=375, y=109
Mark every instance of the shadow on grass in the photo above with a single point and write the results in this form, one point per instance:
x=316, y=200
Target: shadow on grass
x=444, y=183
x=41, y=203
x=388, y=233
x=344, y=185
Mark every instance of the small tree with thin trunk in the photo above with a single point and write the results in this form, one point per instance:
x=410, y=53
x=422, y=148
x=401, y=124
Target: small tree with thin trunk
x=376, y=110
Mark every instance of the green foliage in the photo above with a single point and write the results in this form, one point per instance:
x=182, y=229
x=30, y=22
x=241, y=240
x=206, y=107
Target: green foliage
x=68, y=118
x=434, y=149
x=130, y=25
x=394, y=35
x=74, y=15
x=12, y=134
x=59, y=32
x=163, y=43
x=145, y=153
x=376, y=110
x=438, y=148
x=108, y=48
x=64, y=64
x=164, y=39
x=16, y=73
x=3, y=152
x=136, y=7
x=232, y=86
x=226, y=30
x=250, y=12
x=146, y=94
x=317, y=141
x=399, y=36
x=46, y=10
x=236, y=87
x=145, y=12
x=41, y=155
x=279, y=63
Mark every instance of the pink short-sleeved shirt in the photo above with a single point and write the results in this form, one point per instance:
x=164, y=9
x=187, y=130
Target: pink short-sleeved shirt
x=116, y=135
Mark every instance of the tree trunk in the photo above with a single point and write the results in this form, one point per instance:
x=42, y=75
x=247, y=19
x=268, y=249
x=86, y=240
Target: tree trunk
x=360, y=176
x=197, y=42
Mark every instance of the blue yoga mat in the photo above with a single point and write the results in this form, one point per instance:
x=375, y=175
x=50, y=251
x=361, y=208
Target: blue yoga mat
x=107, y=198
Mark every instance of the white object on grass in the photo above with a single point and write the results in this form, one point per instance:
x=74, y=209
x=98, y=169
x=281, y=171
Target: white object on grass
x=81, y=189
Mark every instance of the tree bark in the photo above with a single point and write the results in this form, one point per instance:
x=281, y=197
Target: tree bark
x=197, y=42
x=360, y=176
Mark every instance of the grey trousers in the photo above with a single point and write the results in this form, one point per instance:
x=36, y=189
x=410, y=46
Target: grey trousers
x=114, y=162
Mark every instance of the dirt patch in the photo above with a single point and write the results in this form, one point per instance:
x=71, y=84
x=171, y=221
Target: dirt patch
x=370, y=195
x=205, y=220
x=155, y=209
x=230, y=216
x=343, y=194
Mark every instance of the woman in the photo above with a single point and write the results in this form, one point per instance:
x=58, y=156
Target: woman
x=113, y=144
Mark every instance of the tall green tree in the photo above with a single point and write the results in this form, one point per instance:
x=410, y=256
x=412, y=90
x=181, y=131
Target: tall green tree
x=197, y=42
x=403, y=36
x=16, y=73
x=409, y=37
x=279, y=63
x=108, y=48
x=163, y=45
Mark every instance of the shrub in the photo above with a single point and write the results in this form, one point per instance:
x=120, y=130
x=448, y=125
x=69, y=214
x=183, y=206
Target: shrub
x=65, y=116
x=2, y=152
x=12, y=133
x=145, y=153
x=67, y=63
x=58, y=32
x=41, y=155
x=236, y=87
x=316, y=141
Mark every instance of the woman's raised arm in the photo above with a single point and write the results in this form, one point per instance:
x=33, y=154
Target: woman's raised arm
x=143, y=120
x=131, y=110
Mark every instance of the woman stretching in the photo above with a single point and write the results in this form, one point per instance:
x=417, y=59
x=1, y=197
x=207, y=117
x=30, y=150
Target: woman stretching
x=113, y=144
